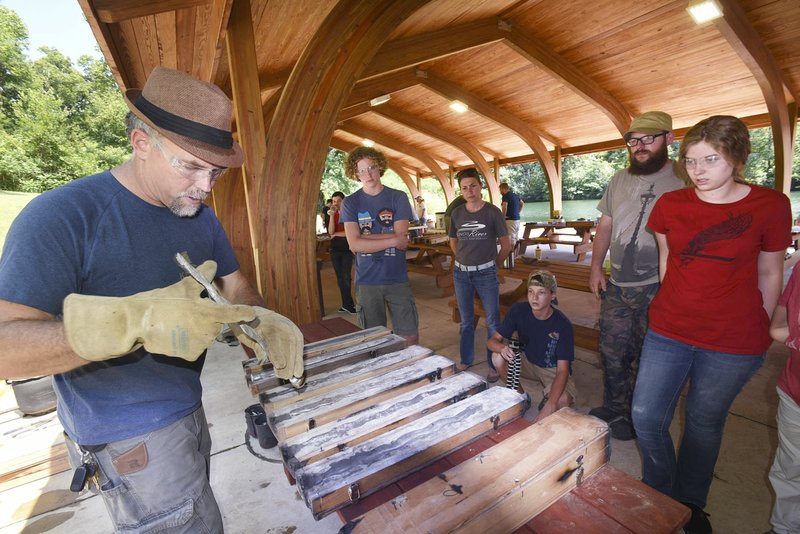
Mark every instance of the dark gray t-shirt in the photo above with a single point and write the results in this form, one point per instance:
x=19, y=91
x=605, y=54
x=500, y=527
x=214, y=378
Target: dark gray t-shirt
x=628, y=200
x=477, y=233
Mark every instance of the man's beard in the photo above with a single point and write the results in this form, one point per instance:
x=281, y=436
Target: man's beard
x=187, y=210
x=651, y=165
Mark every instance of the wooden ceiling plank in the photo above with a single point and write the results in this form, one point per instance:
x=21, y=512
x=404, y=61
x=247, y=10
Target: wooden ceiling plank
x=431, y=130
x=411, y=151
x=167, y=38
x=112, y=11
x=412, y=51
x=452, y=91
x=781, y=102
x=539, y=54
x=218, y=29
x=185, y=31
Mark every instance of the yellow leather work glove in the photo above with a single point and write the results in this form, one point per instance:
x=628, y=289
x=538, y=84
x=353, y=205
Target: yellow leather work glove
x=173, y=321
x=284, y=342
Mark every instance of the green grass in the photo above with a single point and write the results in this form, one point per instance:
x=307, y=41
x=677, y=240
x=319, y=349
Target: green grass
x=11, y=203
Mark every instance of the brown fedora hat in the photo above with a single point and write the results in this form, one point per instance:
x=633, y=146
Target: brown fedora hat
x=193, y=114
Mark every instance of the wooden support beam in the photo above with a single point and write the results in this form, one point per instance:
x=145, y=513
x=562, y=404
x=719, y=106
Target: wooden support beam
x=298, y=139
x=470, y=150
x=452, y=91
x=112, y=11
x=781, y=102
x=250, y=129
x=542, y=56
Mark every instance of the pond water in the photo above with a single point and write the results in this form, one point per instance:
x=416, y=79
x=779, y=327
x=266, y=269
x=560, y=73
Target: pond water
x=587, y=209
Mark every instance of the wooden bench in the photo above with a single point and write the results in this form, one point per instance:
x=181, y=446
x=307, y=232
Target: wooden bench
x=568, y=275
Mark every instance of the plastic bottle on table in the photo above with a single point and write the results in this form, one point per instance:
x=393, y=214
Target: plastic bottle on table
x=538, y=253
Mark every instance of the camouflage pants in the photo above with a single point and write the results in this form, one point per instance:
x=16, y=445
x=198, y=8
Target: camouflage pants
x=623, y=324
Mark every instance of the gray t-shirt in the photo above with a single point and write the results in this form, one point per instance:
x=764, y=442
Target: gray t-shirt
x=477, y=233
x=629, y=200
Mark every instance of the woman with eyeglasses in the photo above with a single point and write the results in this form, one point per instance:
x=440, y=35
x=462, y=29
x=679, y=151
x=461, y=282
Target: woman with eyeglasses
x=721, y=245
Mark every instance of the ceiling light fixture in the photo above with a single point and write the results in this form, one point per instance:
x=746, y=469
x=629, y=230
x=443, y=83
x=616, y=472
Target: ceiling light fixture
x=458, y=106
x=377, y=101
x=703, y=11
x=368, y=142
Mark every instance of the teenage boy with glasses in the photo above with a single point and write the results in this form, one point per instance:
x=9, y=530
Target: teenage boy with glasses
x=376, y=225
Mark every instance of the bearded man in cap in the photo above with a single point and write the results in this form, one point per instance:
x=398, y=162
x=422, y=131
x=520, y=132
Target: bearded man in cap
x=625, y=298
x=90, y=292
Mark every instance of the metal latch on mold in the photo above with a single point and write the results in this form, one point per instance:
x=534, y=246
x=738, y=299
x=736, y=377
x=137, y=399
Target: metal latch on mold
x=354, y=493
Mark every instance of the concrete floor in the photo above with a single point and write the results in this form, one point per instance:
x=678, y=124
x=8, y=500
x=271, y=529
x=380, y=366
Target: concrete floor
x=255, y=497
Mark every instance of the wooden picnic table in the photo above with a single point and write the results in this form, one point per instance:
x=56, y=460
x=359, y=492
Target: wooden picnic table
x=432, y=259
x=584, y=232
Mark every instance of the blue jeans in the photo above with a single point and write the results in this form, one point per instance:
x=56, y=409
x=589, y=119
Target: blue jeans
x=715, y=378
x=485, y=284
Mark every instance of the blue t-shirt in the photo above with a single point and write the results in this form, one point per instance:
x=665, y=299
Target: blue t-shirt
x=94, y=237
x=376, y=215
x=512, y=205
x=546, y=341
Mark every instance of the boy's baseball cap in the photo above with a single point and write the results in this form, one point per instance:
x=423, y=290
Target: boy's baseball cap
x=544, y=279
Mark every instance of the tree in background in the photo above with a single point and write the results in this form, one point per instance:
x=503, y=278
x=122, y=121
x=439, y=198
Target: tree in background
x=59, y=122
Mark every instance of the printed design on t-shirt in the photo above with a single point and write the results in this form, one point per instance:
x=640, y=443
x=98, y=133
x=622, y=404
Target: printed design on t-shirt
x=386, y=217
x=550, y=351
x=730, y=228
x=472, y=231
x=383, y=224
x=365, y=222
x=629, y=256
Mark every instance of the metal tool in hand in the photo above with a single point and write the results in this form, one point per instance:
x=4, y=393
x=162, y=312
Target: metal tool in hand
x=514, y=367
x=183, y=260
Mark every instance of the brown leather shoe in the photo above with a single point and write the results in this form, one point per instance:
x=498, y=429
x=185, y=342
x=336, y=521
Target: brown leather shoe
x=493, y=376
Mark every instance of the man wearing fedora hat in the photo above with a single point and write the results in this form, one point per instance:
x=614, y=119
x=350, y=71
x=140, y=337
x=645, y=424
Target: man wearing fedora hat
x=90, y=293
x=625, y=298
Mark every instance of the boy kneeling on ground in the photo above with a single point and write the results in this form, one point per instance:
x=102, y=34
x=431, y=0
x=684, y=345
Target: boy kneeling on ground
x=545, y=336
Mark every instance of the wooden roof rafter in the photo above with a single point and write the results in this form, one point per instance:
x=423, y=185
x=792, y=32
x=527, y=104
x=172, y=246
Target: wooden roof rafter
x=542, y=56
x=781, y=101
x=464, y=145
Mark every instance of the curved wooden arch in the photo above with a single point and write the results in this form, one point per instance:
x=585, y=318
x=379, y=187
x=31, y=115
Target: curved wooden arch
x=298, y=137
x=450, y=138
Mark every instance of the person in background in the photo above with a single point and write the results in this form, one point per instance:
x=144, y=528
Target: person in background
x=511, y=208
x=546, y=338
x=475, y=229
x=422, y=213
x=785, y=473
x=341, y=256
x=721, y=244
x=326, y=216
x=448, y=211
x=376, y=225
x=91, y=293
x=625, y=298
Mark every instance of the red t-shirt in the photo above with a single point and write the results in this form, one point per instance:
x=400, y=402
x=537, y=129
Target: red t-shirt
x=710, y=297
x=789, y=379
